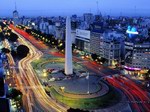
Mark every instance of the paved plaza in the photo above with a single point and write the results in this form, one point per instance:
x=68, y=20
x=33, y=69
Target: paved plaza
x=82, y=87
x=76, y=86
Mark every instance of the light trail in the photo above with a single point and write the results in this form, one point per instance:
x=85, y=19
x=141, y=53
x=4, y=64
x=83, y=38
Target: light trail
x=135, y=94
x=47, y=104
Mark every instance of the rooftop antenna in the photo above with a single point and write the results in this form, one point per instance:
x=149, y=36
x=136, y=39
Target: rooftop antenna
x=121, y=13
x=109, y=11
x=97, y=3
x=135, y=10
x=98, y=10
x=90, y=10
x=15, y=6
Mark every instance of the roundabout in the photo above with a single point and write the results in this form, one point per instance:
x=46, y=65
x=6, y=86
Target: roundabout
x=81, y=87
x=76, y=91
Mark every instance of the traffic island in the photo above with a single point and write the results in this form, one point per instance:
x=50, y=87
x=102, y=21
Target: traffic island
x=104, y=101
x=84, y=93
x=83, y=90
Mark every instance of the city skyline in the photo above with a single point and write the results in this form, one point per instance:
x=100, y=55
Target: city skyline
x=55, y=8
x=63, y=56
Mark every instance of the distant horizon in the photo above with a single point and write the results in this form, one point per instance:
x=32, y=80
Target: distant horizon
x=78, y=15
x=37, y=13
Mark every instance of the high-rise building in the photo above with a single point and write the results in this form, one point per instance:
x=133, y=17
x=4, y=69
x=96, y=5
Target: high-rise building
x=44, y=26
x=88, y=17
x=137, y=51
x=107, y=44
x=83, y=40
x=15, y=16
x=98, y=18
x=112, y=47
x=74, y=25
x=137, y=55
x=96, y=38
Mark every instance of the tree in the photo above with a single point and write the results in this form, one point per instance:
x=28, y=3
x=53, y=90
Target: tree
x=2, y=37
x=28, y=31
x=147, y=75
x=148, y=71
x=14, y=93
x=9, y=31
x=61, y=46
x=2, y=25
x=5, y=50
x=22, y=51
x=73, y=47
x=123, y=63
x=13, y=37
x=94, y=56
x=13, y=53
x=103, y=60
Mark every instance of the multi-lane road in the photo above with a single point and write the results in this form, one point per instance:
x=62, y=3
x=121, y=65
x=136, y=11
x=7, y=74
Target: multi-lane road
x=34, y=94
x=138, y=98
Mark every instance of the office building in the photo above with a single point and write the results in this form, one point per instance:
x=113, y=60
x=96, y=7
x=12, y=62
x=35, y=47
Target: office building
x=88, y=18
x=82, y=40
x=112, y=47
x=96, y=38
x=16, y=17
x=137, y=52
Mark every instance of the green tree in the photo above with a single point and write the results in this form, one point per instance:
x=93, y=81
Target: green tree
x=22, y=51
x=13, y=37
x=147, y=75
x=94, y=56
x=5, y=50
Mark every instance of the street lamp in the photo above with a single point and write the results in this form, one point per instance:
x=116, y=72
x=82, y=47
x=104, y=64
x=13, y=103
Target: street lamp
x=10, y=84
x=45, y=74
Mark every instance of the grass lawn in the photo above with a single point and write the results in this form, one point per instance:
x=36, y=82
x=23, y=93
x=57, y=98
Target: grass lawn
x=109, y=99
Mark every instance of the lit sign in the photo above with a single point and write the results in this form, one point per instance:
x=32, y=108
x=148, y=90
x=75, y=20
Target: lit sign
x=131, y=68
x=83, y=33
x=132, y=30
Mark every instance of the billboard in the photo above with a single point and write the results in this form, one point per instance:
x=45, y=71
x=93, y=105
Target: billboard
x=132, y=31
x=83, y=33
x=97, y=27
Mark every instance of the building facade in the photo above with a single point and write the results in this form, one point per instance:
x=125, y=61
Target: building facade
x=137, y=55
x=16, y=17
x=96, y=38
x=88, y=17
x=112, y=47
x=82, y=40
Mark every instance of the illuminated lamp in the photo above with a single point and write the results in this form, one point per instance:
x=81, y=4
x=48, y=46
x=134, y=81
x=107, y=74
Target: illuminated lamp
x=131, y=68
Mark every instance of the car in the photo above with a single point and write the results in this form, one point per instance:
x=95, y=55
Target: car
x=52, y=79
x=54, y=71
x=50, y=70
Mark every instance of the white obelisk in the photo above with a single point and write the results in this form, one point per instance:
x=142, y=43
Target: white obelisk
x=68, y=48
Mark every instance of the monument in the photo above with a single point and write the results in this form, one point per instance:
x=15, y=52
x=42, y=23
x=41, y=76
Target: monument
x=68, y=48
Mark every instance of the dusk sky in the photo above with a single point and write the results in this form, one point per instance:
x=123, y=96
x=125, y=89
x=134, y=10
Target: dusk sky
x=68, y=7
